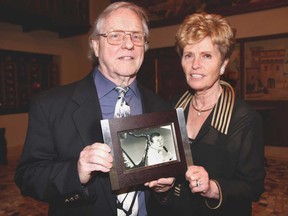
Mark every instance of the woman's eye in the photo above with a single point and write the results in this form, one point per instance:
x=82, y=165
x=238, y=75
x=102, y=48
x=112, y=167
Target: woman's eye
x=207, y=56
x=187, y=56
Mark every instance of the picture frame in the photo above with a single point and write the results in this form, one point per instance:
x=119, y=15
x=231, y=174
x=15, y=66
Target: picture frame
x=130, y=138
x=266, y=68
x=164, y=13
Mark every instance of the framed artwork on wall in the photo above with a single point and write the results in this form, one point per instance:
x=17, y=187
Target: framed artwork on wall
x=171, y=12
x=266, y=68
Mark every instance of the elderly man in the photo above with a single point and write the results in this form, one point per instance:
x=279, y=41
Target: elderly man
x=64, y=160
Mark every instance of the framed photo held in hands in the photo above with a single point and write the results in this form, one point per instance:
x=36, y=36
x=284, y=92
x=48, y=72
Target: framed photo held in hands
x=147, y=147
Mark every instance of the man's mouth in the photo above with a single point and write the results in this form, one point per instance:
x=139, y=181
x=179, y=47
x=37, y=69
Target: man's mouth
x=126, y=58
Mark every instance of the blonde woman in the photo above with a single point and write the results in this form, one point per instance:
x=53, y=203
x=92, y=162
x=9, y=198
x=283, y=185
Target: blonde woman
x=225, y=133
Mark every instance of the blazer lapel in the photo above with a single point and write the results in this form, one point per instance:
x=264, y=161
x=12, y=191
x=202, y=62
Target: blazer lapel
x=87, y=120
x=88, y=113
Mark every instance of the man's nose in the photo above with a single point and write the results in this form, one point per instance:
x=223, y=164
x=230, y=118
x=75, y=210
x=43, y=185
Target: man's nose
x=128, y=43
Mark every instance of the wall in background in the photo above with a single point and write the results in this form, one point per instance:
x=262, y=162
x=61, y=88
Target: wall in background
x=73, y=51
x=267, y=22
x=74, y=64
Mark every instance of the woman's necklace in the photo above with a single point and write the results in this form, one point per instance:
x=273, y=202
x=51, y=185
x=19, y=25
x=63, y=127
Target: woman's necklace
x=199, y=111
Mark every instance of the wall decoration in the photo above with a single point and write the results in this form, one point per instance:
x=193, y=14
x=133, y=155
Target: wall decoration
x=22, y=75
x=266, y=68
x=171, y=12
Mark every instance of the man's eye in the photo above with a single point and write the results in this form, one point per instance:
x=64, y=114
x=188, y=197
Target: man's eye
x=137, y=36
x=115, y=36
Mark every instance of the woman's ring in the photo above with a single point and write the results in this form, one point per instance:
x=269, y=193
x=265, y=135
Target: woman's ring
x=197, y=183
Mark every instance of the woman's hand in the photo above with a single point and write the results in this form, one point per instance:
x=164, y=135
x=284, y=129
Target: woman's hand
x=199, y=182
x=161, y=185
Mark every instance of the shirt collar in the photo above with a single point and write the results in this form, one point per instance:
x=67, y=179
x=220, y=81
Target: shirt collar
x=104, y=86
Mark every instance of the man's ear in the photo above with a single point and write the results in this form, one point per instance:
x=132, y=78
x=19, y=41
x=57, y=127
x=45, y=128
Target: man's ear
x=95, y=44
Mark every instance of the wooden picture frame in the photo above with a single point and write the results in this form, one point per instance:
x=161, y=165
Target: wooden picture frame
x=163, y=12
x=266, y=68
x=135, y=131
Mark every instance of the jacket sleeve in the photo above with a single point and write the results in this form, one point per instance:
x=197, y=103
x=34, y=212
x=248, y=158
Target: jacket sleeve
x=48, y=167
x=244, y=178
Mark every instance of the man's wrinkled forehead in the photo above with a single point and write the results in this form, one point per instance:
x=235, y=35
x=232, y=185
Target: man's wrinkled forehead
x=116, y=19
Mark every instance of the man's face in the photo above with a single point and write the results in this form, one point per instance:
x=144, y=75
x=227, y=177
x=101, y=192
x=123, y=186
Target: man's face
x=120, y=63
x=157, y=142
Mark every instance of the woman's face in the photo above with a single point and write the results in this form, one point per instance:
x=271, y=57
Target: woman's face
x=202, y=64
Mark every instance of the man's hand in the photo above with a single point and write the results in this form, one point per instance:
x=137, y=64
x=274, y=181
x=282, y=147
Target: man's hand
x=95, y=157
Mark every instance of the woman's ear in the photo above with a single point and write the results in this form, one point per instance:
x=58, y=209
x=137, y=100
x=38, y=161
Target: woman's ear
x=222, y=69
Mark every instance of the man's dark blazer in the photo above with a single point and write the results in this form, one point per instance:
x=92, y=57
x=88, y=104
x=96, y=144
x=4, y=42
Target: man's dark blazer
x=62, y=121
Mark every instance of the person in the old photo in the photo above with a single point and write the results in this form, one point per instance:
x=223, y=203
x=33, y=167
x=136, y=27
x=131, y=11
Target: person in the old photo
x=157, y=151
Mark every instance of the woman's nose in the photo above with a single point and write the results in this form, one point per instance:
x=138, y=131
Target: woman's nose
x=196, y=63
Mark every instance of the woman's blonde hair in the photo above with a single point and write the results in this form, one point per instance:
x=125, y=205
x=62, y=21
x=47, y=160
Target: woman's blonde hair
x=197, y=26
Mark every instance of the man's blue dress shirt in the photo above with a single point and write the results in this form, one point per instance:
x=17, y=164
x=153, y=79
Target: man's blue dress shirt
x=108, y=95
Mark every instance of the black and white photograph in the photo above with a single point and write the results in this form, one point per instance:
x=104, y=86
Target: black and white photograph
x=148, y=146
